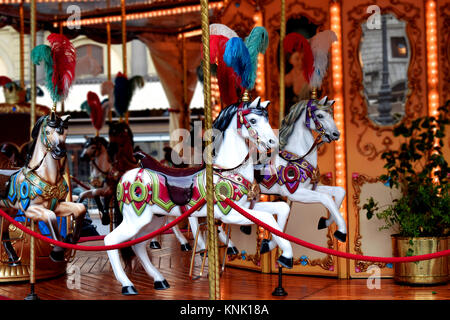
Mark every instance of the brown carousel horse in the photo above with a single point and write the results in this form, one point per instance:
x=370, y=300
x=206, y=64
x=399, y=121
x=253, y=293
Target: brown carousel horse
x=103, y=177
x=38, y=188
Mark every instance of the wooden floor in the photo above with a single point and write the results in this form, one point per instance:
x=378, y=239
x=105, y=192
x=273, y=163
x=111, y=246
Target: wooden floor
x=97, y=282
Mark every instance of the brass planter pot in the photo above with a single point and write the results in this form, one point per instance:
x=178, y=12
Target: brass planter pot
x=425, y=272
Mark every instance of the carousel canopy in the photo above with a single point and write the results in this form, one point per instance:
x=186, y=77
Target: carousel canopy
x=171, y=29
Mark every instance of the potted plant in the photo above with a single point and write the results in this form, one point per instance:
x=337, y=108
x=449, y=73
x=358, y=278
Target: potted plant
x=422, y=213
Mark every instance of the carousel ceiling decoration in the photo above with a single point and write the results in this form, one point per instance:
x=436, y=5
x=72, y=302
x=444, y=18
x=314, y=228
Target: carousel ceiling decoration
x=90, y=17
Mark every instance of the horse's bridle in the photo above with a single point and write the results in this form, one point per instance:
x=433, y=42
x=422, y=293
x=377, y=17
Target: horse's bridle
x=311, y=115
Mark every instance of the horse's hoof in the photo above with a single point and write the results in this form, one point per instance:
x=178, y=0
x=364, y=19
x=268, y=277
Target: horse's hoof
x=105, y=219
x=286, y=262
x=161, y=285
x=264, y=246
x=129, y=291
x=155, y=245
x=340, y=236
x=202, y=253
x=186, y=247
x=246, y=229
x=322, y=223
x=57, y=256
x=232, y=250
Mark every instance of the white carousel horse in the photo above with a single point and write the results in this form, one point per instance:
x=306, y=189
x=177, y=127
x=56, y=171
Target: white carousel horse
x=143, y=193
x=296, y=177
x=104, y=178
x=39, y=188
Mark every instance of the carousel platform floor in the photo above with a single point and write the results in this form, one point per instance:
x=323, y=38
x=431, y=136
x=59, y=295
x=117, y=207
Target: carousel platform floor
x=97, y=282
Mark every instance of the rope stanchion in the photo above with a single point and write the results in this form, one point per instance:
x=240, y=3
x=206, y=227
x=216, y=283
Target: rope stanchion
x=197, y=206
x=331, y=251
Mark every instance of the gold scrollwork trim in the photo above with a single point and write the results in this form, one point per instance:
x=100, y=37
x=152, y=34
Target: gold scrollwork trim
x=358, y=180
x=357, y=105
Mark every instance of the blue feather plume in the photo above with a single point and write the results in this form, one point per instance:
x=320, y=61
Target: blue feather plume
x=237, y=57
x=256, y=42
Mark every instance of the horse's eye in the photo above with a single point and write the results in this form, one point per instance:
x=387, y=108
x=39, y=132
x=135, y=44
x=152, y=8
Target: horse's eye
x=320, y=116
x=253, y=121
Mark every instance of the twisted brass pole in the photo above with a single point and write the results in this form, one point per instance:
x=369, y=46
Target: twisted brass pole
x=22, y=49
x=282, y=66
x=213, y=257
x=32, y=295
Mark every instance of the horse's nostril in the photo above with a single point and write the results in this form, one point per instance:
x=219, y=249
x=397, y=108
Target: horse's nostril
x=335, y=134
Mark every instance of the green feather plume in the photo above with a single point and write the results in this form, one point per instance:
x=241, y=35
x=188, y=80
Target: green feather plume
x=256, y=42
x=43, y=53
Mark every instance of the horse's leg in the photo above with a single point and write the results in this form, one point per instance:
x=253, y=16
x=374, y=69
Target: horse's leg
x=106, y=201
x=158, y=222
x=140, y=250
x=281, y=210
x=10, y=251
x=310, y=196
x=37, y=213
x=185, y=246
x=338, y=193
x=286, y=258
x=225, y=239
x=124, y=232
x=79, y=211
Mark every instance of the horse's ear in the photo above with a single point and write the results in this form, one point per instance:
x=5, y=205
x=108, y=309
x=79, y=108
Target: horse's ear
x=264, y=104
x=330, y=103
x=323, y=101
x=65, y=118
x=255, y=103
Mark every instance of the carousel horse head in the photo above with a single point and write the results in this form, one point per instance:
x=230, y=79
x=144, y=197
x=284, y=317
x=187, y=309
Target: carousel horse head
x=120, y=138
x=252, y=123
x=318, y=117
x=93, y=147
x=51, y=132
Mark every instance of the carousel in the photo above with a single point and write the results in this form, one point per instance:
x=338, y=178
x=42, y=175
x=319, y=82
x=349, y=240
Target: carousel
x=316, y=167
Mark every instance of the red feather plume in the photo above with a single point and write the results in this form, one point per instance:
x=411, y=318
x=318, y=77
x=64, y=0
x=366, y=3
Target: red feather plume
x=96, y=110
x=64, y=62
x=296, y=42
x=227, y=79
x=4, y=80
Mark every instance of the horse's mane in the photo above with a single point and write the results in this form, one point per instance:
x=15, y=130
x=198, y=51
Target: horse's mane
x=34, y=136
x=223, y=119
x=288, y=123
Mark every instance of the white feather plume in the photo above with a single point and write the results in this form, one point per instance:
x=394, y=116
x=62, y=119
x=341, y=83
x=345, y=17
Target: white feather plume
x=221, y=29
x=320, y=45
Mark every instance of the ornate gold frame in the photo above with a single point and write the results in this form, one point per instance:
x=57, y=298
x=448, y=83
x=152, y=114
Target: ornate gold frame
x=358, y=116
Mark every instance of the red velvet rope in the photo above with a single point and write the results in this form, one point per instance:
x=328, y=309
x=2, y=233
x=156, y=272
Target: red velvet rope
x=331, y=251
x=197, y=206
x=245, y=214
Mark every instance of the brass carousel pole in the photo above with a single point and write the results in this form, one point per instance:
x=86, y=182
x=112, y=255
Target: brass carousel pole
x=108, y=56
x=32, y=295
x=22, y=44
x=213, y=257
x=282, y=66
x=124, y=44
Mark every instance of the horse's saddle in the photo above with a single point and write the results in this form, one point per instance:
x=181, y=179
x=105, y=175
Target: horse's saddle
x=5, y=176
x=179, y=181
